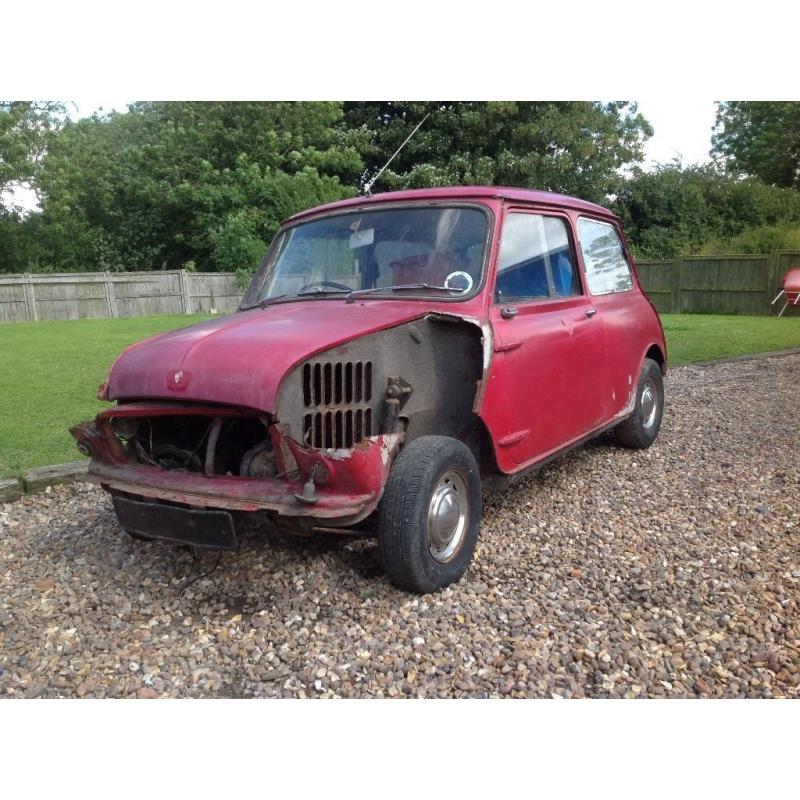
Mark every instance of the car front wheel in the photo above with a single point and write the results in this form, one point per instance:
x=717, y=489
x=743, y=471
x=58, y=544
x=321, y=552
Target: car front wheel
x=429, y=515
x=640, y=429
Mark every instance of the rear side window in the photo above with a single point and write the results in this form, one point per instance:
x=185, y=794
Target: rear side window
x=607, y=270
x=535, y=259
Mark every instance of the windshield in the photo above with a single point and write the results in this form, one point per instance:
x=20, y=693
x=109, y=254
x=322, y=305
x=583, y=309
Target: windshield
x=417, y=251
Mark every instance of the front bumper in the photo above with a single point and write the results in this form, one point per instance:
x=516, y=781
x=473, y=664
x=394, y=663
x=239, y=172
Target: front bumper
x=353, y=483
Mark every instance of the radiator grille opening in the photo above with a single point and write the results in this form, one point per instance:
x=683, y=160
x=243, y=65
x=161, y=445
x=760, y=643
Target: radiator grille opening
x=334, y=429
x=336, y=394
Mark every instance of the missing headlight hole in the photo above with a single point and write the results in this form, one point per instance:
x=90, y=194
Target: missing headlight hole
x=194, y=443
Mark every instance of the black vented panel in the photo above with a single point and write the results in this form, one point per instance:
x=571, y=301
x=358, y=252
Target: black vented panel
x=337, y=396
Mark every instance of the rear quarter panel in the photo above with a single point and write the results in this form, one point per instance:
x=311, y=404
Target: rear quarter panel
x=632, y=327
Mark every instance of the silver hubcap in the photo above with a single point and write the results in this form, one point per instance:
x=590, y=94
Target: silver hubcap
x=649, y=404
x=448, y=516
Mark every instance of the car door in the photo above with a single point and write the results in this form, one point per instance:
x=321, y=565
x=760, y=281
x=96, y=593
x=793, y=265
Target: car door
x=548, y=383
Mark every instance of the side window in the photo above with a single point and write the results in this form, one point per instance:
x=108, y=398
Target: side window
x=535, y=259
x=607, y=270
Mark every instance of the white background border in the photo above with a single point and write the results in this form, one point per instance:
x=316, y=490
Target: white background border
x=419, y=50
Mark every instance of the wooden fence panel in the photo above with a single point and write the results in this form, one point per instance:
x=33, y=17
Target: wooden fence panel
x=724, y=284
x=115, y=294
x=68, y=295
x=785, y=260
x=658, y=280
x=13, y=300
x=144, y=294
x=730, y=284
x=207, y=290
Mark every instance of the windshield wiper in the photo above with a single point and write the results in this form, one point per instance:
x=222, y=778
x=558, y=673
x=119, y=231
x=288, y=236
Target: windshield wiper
x=401, y=288
x=270, y=300
x=316, y=290
x=320, y=290
x=353, y=293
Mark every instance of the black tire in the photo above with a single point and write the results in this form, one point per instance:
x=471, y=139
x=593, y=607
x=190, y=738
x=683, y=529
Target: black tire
x=412, y=556
x=640, y=429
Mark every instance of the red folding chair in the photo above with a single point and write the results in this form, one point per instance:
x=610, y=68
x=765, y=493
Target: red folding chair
x=790, y=286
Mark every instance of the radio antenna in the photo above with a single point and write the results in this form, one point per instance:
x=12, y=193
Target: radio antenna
x=368, y=188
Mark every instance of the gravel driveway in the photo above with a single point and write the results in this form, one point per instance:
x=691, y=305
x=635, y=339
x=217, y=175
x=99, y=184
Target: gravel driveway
x=669, y=572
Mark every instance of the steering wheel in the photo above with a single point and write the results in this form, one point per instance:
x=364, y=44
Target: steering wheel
x=332, y=284
x=459, y=274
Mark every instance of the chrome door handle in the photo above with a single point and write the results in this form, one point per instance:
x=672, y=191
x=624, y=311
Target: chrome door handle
x=590, y=312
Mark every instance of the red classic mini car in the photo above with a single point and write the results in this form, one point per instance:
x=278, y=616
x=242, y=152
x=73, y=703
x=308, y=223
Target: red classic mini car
x=392, y=355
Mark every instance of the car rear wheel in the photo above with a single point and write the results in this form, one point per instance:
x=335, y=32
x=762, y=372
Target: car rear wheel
x=640, y=429
x=429, y=515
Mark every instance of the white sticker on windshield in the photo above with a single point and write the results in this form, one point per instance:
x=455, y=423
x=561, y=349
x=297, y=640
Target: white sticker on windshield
x=362, y=238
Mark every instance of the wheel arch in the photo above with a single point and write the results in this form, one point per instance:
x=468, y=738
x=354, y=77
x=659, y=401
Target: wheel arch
x=657, y=354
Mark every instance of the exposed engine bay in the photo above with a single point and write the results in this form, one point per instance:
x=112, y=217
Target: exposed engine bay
x=215, y=446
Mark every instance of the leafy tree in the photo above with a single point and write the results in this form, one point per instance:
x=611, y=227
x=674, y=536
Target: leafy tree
x=760, y=138
x=763, y=239
x=675, y=210
x=159, y=186
x=205, y=185
x=25, y=129
x=572, y=147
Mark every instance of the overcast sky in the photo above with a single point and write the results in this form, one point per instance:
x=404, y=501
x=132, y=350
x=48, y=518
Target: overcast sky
x=682, y=129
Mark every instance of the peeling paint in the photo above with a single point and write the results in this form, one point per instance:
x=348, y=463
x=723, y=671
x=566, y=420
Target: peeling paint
x=338, y=455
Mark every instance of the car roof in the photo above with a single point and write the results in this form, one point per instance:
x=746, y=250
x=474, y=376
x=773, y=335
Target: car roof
x=537, y=196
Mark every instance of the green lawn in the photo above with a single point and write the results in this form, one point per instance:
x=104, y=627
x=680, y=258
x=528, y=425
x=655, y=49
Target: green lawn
x=704, y=337
x=50, y=371
x=49, y=374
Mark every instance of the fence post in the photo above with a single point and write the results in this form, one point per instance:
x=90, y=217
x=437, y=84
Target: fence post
x=111, y=296
x=773, y=281
x=184, y=282
x=676, y=286
x=30, y=298
x=771, y=270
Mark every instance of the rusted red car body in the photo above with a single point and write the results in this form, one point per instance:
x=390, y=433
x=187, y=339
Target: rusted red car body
x=544, y=374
